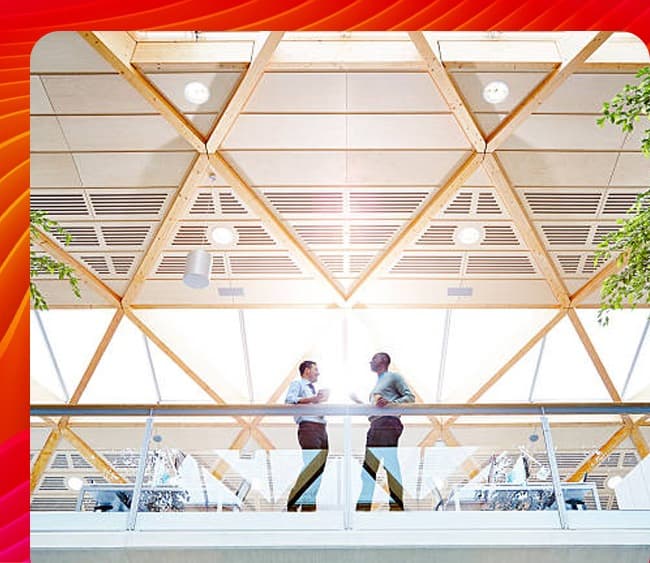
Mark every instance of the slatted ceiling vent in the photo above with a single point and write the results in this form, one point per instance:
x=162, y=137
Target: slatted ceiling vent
x=125, y=235
x=60, y=461
x=460, y=205
x=479, y=264
x=253, y=235
x=602, y=231
x=499, y=235
x=80, y=235
x=359, y=262
x=563, y=203
x=419, y=264
x=60, y=204
x=320, y=234
x=306, y=202
x=333, y=262
x=386, y=202
x=230, y=205
x=171, y=265
x=203, y=204
x=262, y=265
x=97, y=263
x=150, y=203
x=218, y=266
x=53, y=504
x=588, y=266
x=122, y=264
x=487, y=204
x=212, y=203
x=372, y=234
x=437, y=235
x=191, y=235
x=78, y=462
x=619, y=203
x=569, y=263
x=558, y=235
x=53, y=483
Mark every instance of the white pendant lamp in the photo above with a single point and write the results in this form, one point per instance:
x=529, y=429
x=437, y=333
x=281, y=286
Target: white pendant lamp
x=197, y=269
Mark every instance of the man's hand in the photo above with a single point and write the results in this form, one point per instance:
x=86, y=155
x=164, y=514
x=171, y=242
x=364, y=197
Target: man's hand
x=322, y=396
x=381, y=402
x=355, y=398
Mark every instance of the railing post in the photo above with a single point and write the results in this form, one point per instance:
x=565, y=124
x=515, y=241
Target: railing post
x=555, y=472
x=347, y=472
x=139, y=479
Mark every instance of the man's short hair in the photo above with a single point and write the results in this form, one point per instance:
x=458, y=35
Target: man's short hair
x=305, y=365
x=385, y=357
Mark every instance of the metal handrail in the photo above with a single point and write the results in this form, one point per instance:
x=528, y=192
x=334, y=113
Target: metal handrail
x=449, y=409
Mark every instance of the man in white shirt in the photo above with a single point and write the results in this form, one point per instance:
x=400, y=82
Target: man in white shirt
x=312, y=437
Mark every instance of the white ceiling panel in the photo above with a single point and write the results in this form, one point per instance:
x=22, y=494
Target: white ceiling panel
x=66, y=51
x=632, y=169
x=585, y=93
x=479, y=178
x=46, y=135
x=393, y=92
x=558, y=169
x=87, y=94
x=202, y=121
x=310, y=92
x=402, y=167
x=38, y=102
x=621, y=47
x=220, y=85
x=405, y=131
x=53, y=171
x=288, y=131
x=133, y=169
x=472, y=84
x=488, y=122
x=578, y=132
x=121, y=133
x=269, y=168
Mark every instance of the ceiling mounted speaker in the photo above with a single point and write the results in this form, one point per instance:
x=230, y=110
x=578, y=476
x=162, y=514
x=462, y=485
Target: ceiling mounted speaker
x=197, y=269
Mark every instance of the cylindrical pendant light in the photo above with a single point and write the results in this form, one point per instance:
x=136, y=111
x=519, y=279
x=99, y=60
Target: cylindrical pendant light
x=197, y=269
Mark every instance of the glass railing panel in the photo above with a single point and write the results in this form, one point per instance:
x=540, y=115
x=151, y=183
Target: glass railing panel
x=90, y=469
x=488, y=463
x=600, y=461
x=238, y=465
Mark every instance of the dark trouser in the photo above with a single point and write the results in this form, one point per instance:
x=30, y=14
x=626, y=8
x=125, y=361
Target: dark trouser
x=312, y=438
x=381, y=445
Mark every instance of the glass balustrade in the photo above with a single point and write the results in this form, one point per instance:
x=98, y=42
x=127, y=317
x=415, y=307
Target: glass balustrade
x=169, y=467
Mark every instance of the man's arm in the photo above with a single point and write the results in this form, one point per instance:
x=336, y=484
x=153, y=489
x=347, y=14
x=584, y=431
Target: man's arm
x=404, y=390
x=294, y=398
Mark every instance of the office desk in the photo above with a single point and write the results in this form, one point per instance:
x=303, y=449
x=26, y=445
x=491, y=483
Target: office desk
x=520, y=497
x=117, y=498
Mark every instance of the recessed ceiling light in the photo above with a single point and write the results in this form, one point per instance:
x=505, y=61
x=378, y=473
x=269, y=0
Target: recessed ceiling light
x=75, y=483
x=223, y=236
x=495, y=92
x=613, y=481
x=469, y=234
x=196, y=93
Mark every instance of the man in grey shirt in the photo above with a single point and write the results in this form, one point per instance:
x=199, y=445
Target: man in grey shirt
x=383, y=435
x=312, y=437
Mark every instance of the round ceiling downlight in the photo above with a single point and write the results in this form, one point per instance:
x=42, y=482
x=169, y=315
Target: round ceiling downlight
x=196, y=93
x=496, y=92
x=223, y=236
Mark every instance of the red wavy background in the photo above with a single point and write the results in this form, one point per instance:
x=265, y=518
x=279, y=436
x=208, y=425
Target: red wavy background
x=23, y=23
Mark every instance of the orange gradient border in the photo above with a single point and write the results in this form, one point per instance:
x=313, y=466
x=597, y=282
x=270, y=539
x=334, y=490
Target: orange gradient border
x=24, y=22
